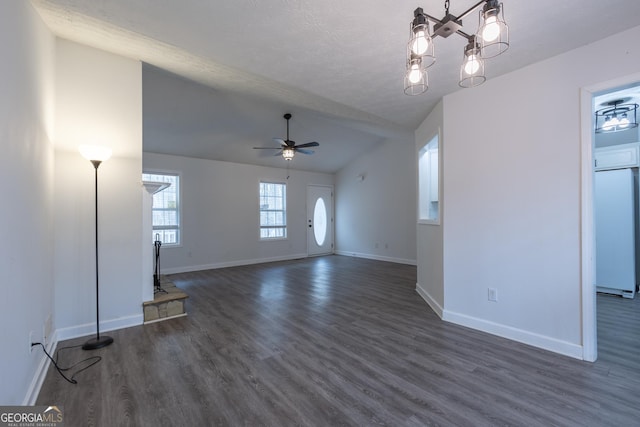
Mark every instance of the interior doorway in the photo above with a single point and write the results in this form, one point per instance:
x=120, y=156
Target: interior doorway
x=588, y=245
x=319, y=220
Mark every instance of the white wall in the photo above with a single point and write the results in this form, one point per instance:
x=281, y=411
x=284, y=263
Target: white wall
x=99, y=99
x=512, y=188
x=26, y=172
x=429, y=236
x=376, y=216
x=220, y=223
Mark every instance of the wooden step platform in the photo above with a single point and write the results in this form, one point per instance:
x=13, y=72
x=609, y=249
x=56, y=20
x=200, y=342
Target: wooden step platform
x=165, y=305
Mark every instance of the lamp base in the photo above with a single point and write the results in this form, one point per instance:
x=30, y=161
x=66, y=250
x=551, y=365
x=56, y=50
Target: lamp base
x=96, y=343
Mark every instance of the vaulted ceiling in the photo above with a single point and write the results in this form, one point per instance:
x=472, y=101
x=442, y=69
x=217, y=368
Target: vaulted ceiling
x=222, y=74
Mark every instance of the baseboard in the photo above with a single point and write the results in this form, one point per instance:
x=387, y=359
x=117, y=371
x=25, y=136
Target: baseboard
x=515, y=334
x=105, y=326
x=437, y=308
x=41, y=372
x=226, y=264
x=377, y=257
x=162, y=319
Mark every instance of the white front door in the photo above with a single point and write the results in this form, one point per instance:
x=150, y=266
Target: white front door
x=319, y=220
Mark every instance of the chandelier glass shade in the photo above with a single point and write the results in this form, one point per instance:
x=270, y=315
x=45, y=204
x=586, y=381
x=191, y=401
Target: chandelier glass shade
x=472, y=68
x=416, y=79
x=493, y=32
x=491, y=39
x=420, y=40
x=617, y=116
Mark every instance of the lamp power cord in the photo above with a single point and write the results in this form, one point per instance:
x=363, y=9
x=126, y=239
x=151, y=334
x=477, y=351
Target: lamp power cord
x=90, y=360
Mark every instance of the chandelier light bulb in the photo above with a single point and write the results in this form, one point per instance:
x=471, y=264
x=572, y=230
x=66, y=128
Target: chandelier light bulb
x=491, y=29
x=624, y=122
x=415, y=75
x=420, y=43
x=472, y=65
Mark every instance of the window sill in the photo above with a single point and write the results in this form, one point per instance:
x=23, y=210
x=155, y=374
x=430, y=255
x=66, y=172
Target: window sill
x=168, y=246
x=273, y=239
x=428, y=222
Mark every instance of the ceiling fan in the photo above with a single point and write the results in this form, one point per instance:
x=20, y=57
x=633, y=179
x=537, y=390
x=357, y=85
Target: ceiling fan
x=288, y=147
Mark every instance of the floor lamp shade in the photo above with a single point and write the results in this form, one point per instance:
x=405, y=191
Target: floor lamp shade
x=95, y=152
x=96, y=155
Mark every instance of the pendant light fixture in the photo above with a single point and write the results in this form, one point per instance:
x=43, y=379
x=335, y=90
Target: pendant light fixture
x=616, y=116
x=491, y=39
x=416, y=79
x=493, y=32
x=472, y=68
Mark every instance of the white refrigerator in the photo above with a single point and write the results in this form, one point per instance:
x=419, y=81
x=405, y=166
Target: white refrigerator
x=615, y=232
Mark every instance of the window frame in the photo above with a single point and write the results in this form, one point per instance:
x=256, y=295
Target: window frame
x=178, y=210
x=284, y=226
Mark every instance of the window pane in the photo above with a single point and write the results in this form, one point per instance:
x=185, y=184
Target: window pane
x=278, y=218
x=166, y=208
x=167, y=237
x=273, y=215
x=319, y=221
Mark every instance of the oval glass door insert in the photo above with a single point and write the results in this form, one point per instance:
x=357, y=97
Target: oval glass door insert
x=320, y=221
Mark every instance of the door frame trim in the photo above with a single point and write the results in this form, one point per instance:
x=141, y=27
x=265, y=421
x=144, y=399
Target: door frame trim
x=587, y=224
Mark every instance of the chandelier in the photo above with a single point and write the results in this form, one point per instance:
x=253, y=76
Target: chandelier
x=491, y=39
x=616, y=116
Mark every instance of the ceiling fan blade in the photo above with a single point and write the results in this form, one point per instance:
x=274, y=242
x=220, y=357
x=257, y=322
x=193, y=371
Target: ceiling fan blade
x=303, y=151
x=267, y=148
x=279, y=153
x=280, y=141
x=308, y=144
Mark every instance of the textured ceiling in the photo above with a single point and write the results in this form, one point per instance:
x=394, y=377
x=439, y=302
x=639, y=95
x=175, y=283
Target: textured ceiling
x=336, y=64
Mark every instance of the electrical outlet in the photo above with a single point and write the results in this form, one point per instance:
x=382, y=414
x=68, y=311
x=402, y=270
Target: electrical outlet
x=30, y=341
x=492, y=294
x=47, y=329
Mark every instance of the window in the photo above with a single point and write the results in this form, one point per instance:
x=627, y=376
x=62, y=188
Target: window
x=273, y=211
x=166, y=208
x=428, y=191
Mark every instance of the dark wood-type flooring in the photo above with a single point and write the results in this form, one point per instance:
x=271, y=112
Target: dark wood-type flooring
x=334, y=341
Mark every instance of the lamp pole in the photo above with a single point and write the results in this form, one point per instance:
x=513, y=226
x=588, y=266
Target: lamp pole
x=98, y=341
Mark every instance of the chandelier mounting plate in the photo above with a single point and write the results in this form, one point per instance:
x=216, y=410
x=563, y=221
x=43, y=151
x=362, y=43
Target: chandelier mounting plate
x=447, y=26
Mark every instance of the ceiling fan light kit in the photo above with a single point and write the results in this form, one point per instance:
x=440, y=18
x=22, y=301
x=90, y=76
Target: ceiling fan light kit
x=288, y=153
x=616, y=116
x=491, y=39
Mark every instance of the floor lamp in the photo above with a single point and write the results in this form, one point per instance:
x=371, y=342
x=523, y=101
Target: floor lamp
x=96, y=155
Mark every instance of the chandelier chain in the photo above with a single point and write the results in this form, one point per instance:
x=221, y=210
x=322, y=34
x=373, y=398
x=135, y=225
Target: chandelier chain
x=446, y=6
